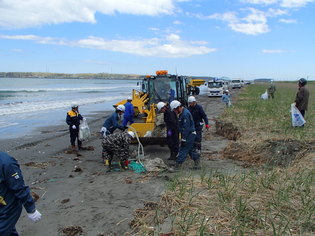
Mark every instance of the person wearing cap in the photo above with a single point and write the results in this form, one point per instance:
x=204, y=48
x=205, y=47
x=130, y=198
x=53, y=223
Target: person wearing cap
x=271, y=90
x=172, y=131
x=226, y=98
x=302, y=96
x=13, y=196
x=73, y=120
x=129, y=112
x=113, y=122
x=200, y=118
x=116, y=148
x=188, y=135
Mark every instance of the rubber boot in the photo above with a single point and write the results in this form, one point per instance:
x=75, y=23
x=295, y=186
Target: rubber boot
x=197, y=164
x=173, y=156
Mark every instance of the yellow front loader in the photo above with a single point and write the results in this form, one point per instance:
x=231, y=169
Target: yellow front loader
x=160, y=87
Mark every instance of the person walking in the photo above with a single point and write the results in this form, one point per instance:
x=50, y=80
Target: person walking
x=116, y=147
x=73, y=120
x=226, y=98
x=302, y=96
x=200, y=118
x=172, y=130
x=114, y=121
x=13, y=195
x=271, y=90
x=129, y=112
x=188, y=135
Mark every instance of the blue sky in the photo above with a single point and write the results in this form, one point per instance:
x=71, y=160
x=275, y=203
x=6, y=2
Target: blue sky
x=235, y=38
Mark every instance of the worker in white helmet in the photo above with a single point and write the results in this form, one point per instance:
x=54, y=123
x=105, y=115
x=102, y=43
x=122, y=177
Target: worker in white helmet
x=73, y=120
x=200, y=119
x=172, y=130
x=188, y=135
x=114, y=121
x=116, y=148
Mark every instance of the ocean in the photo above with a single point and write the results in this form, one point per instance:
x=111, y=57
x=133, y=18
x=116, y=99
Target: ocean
x=27, y=104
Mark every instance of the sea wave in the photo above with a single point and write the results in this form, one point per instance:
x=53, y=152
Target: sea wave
x=32, y=90
x=39, y=106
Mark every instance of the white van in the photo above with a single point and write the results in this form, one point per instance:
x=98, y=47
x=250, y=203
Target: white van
x=236, y=83
x=215, y=88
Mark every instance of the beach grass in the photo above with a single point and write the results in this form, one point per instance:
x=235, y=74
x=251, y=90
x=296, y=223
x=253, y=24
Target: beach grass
x=256, y=201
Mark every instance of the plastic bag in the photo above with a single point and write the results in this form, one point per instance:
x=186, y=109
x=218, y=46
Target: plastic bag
x=264, y=95
x=84, y=131
x=297, y=118
x=229, y=104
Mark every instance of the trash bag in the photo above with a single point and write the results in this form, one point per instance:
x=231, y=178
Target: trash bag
x=264, y=96
x=297, y=118
x=84, y=131
x=229, y=104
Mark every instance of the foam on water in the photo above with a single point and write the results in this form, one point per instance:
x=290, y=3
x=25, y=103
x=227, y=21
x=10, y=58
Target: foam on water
x=27, y=107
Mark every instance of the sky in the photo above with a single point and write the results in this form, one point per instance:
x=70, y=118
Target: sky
x=246, y=39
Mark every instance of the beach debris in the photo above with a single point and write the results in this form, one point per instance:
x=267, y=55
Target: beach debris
x=128, y=180
x=71, y=176
x=73, y=230
x=77, y=169
x=76, y=159
x=65, y=200
x=35, y=196
x=42, y=165
x=156, y=164
x=79, y=155
x=88, y=148
x=70, y=151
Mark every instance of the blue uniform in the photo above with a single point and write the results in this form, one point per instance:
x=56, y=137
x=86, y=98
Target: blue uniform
x=187, y=130
x=129, y=113
x=111, y=123
x=200, y=118
x=226, y=99
x=13, y=195
x=73, y=118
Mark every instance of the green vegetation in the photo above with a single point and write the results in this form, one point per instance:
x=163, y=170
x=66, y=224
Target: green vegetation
x=275, y=201
x=66, y=76
x=271, y=118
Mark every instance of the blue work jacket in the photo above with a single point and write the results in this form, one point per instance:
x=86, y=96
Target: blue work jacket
x=186, y=123
x=13, y=192
x=129, y=109
x=198, y=115
x=111, y=123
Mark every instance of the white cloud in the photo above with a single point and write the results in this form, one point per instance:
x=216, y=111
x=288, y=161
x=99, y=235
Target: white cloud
x=273, y=51
x=254, y=23
x=281, y=3
x=288, y=21
x=30, y=13
x=177, y=22
x=172, y=46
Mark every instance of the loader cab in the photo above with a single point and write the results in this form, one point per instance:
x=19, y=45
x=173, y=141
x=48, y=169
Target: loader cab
x=165, y=87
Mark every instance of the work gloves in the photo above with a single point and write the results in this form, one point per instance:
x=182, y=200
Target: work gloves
x=74, y=127
x=36, y=216
x=169, y=133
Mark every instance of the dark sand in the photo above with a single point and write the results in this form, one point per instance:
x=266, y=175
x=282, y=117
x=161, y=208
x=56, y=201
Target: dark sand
x=101, y=203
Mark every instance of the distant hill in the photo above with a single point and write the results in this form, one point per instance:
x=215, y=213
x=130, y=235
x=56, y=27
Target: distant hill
x=67, y=76
x=263, y=80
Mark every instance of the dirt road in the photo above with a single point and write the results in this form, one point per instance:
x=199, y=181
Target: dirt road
x=96, y=202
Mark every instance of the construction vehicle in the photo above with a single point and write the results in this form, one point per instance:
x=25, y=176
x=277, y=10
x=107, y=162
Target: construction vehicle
x=193, y=86
x=155, y=88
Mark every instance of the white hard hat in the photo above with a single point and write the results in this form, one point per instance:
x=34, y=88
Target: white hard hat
x=160, y=105
x=121, y=108
x=227, y=91
x=174, y=104
x=74, y=105
x=132, y=134
x=191, y=99
x=129, y=99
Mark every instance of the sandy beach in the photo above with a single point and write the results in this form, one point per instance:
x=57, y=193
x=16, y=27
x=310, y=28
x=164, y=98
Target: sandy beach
x=93, y=200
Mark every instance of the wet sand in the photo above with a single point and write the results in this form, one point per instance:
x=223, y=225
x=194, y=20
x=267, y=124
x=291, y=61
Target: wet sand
x=100, y=203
